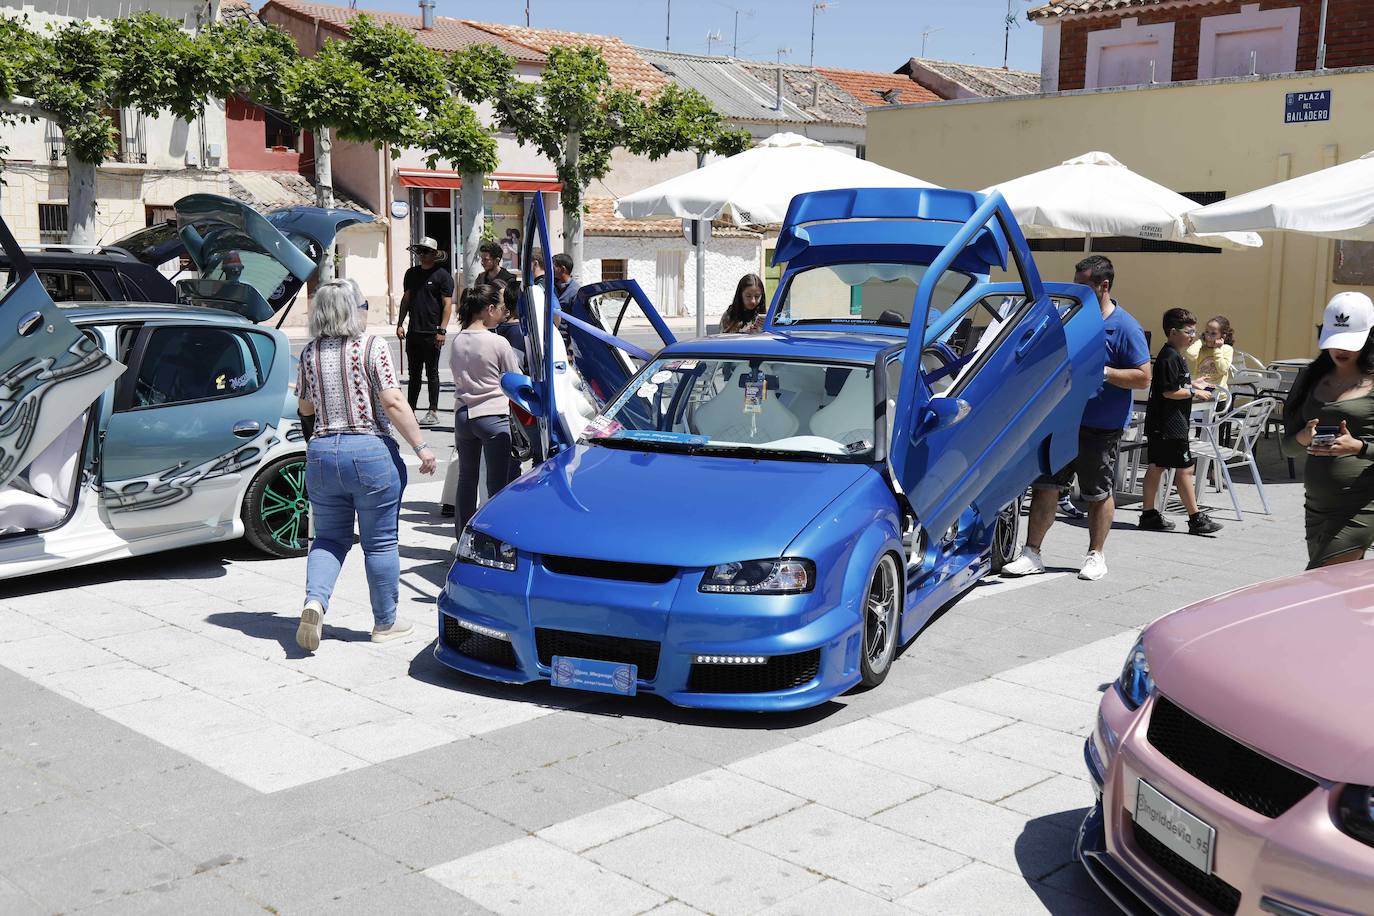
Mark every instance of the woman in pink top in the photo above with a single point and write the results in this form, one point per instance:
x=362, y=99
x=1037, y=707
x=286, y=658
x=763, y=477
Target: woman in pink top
x=481, y=422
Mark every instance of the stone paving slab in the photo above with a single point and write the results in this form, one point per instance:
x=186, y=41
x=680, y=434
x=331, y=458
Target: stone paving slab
x=161, y=703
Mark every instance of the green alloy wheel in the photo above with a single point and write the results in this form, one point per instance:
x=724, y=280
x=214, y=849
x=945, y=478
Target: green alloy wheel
x=276, y=511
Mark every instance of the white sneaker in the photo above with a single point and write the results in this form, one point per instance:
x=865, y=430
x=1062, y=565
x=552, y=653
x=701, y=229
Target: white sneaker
x=1094, y=566
x=429, y=419
x=395, y=631
x=311, y=626
x=1027, y=564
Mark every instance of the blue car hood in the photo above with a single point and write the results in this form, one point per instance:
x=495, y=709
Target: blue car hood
x=651, y=507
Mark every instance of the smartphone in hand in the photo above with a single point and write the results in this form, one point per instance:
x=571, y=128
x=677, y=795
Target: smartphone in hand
x=1325, y=436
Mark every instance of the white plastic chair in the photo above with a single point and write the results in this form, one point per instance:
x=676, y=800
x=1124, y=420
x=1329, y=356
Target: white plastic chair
x=1248, y=423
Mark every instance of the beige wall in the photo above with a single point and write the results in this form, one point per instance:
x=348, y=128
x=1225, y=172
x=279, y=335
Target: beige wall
x=1214, y=136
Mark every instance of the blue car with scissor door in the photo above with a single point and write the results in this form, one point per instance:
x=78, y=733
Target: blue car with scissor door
x=197, y=440
x=759, y=522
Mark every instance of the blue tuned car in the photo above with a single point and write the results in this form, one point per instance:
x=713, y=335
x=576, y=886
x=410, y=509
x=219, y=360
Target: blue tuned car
x=759, y=522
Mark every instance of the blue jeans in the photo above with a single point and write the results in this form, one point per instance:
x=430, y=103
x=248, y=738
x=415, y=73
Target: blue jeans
x=362, y=475
x=485, y=440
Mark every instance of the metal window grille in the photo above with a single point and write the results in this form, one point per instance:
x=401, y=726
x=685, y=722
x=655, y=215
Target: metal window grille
x=53, y=140
x=133, y=141
x=612, y=268
x=52, y=224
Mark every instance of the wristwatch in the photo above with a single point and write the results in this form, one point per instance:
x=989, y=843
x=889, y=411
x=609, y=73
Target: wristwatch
x=419, y=448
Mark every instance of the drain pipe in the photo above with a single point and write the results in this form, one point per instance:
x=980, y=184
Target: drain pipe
x=1321, y=39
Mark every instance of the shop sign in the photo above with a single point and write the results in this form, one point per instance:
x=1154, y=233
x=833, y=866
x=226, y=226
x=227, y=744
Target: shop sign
x=1301, y=107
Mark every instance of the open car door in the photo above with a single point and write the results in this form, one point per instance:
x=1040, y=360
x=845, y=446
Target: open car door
x=249, y=263
x=50, y=372
x=979, y=435
x=601, y=316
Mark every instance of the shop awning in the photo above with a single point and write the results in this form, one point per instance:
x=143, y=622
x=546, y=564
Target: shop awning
x=416, y=178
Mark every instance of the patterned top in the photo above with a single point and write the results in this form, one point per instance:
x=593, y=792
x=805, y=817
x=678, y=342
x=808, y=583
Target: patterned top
x=344, y=379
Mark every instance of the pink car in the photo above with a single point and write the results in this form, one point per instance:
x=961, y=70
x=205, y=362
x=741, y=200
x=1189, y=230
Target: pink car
x=1234, y=756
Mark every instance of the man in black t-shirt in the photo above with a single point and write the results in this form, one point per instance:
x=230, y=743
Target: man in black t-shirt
x=428, y=302
x=490, y=254
x=1168, y=426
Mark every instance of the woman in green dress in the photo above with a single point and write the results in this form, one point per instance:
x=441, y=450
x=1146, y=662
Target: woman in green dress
x=1329, y=416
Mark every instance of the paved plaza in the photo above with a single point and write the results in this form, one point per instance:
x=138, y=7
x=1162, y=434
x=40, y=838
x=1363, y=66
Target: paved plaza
x=166, y=748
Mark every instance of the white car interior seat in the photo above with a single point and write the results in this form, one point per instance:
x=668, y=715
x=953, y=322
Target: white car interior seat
x=849, y=417
x=723, y=418
x=39, y=498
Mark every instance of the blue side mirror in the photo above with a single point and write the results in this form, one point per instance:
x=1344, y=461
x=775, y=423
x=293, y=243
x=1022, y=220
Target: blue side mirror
x=520, y=389
x=942, y=413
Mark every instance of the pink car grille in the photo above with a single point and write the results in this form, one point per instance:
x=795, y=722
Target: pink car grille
x=1242, y=775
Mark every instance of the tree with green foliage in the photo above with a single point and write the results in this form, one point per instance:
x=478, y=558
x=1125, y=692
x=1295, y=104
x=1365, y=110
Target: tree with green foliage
x=575, y=116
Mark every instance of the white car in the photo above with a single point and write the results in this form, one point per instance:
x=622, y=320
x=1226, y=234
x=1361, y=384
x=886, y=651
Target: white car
x=131, y=428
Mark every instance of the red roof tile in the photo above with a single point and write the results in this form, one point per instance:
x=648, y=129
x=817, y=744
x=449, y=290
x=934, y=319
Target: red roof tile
x=875, y=89
x=628, y=69
x=600, y=219
x=447, y=34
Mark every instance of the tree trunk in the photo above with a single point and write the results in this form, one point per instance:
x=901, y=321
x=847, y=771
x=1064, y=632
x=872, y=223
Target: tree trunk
x=81, y=202
x=472, y=203
x=324, y=192
x=572, y=210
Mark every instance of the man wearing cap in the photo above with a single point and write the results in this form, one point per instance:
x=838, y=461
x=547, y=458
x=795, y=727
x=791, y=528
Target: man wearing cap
x=428, y=303
x=1329, y=417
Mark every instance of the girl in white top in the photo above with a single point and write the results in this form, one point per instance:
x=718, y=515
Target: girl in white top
x=481, y=421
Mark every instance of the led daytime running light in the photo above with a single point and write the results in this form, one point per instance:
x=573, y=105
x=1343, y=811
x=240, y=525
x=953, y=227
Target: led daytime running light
x=729, y=660
x=483, y=631
x=484, y=550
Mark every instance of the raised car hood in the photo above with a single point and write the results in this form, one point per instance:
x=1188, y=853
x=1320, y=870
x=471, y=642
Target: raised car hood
x=1283, y=666
x=675, y=510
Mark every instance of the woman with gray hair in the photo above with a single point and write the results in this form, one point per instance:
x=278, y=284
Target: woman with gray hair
x=351, y=406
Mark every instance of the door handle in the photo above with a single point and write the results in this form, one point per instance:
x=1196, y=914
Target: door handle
x=247, y=429
x=30, y=323
x=1031, y=337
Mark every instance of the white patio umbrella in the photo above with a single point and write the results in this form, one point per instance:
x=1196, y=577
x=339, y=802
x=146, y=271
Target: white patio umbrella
x=755, y=187
x=1094, y=194
x=1337, y=202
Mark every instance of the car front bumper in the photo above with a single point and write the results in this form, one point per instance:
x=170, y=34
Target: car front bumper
x=812, y=642
x=1296, y=864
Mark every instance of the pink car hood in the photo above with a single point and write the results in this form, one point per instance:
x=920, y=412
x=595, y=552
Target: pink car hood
x=1286, y=667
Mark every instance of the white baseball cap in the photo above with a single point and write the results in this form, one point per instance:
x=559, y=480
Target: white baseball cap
x=1347, y=321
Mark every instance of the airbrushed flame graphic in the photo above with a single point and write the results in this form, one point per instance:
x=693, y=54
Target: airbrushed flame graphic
x=172, y=485
x=23, y=387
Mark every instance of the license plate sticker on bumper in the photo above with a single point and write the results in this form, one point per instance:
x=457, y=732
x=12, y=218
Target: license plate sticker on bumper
x=589, y=674
x=1181, y=832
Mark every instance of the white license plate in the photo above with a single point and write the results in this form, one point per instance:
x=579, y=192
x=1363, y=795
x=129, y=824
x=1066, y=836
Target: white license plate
x=1181, y=832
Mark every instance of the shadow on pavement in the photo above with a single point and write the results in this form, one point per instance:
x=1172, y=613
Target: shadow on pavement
x=1041, y=850
x=282, y=630
x=424, y=667
x=203, y=561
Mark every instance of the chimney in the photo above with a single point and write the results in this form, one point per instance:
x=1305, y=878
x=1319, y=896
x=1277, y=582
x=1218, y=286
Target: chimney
x=815, y=89
x=427, y=15
x=778, y=105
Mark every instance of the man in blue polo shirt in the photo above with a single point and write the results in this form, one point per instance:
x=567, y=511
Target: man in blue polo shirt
x=1099, y=433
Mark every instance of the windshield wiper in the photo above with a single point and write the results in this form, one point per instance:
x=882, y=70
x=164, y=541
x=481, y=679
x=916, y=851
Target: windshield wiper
x=753, y=451
x=647, y=445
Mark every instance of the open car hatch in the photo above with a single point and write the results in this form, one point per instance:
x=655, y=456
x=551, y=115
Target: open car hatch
x=249, y=263
x=50, y=372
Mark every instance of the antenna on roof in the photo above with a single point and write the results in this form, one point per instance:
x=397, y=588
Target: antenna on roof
x=668, y=36
x=926, y=34
x=713, y=35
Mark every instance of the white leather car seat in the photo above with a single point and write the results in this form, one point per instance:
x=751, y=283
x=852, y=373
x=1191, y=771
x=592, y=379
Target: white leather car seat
x=849, y=417
x=40, y=499
x=723, y=418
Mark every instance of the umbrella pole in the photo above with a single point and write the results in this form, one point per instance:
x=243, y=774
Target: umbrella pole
x=699, y=243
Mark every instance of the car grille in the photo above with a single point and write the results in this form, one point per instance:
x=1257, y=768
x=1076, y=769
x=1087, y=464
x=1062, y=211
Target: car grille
x=1209, y=887
x=498, y=652
x=642, y=653
x=1242, y=775
x=609, y=569
x=781, y=672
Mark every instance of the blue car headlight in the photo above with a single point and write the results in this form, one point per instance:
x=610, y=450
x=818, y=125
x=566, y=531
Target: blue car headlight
x=784, y=576
x=485, y=550
x=1355, y=813
x=1135, y=682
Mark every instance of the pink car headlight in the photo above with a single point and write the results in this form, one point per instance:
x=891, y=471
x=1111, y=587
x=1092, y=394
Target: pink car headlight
x=1136, y=682
x=1355, y=813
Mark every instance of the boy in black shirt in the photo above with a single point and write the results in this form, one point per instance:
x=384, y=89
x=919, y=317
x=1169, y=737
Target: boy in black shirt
x=428, y=302
x=1168, y=423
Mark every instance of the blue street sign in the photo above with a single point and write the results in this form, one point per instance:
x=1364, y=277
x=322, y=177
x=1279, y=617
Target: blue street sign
x=1300, y=107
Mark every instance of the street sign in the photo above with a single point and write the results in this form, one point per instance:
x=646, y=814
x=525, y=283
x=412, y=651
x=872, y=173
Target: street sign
x=1300, y=107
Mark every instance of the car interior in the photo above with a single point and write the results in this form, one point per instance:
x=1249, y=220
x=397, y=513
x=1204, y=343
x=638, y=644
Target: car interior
x=41, y=496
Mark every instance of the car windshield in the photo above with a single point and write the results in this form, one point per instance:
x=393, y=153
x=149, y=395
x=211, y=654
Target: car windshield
x=866, y=293
x=744, y=407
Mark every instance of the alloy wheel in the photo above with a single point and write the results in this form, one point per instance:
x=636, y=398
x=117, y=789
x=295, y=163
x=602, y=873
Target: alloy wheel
x=285, y=509
x=880, y=616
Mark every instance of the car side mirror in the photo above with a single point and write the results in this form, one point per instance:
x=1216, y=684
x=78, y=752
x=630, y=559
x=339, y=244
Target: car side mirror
x=942, y=413
x=520, y=389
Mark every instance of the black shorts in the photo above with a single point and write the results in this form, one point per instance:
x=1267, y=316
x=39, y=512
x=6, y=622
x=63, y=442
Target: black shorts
x=1095, y=465
x=1170, y=453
